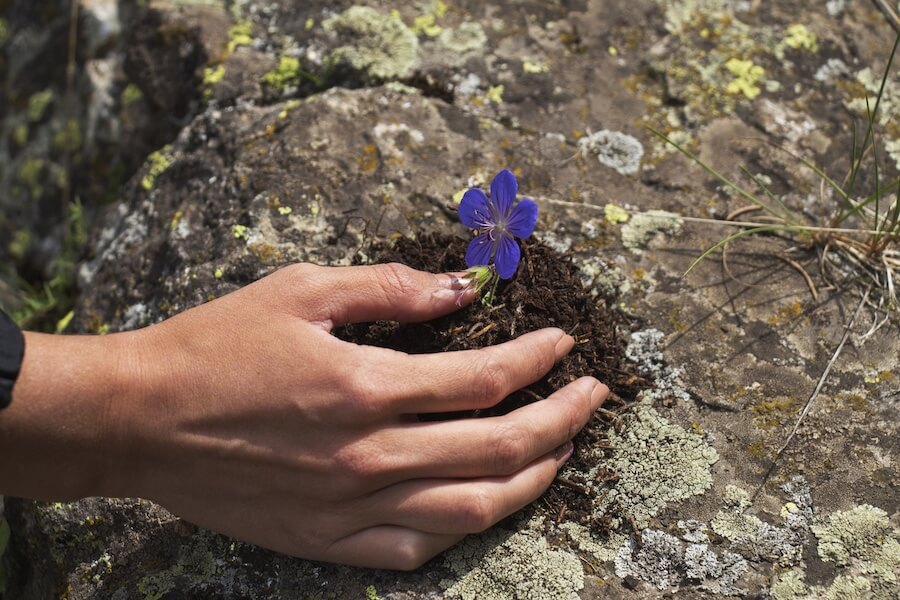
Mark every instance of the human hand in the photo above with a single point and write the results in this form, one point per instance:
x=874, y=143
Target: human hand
x=246, y=416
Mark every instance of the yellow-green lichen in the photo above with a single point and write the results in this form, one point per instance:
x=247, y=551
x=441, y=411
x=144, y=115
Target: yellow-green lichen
x=68, y=138
x=658, y=463
x=20, y=134
x=746, y=77
x=38, y=105
x=495, y=94
x=240, y=232
x=285, y=75
x=534, y=66
x=615, y=214
x=372, y=593
x=157, y=164
x=377, y=45
x=31, y=175
x=240, y=34
x=518, y=566
x=4, y=31
x=213, y=75
x=131, y=94
x=799, y=37
x=427, y=25
x=218, y=273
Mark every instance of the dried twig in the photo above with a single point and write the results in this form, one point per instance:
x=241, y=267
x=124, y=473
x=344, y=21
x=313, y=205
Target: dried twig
x=815, y=393
x=889, y=13
x=799, y=268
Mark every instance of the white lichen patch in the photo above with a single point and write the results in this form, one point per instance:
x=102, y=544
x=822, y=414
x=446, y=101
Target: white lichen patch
x=380, y=46
x=521, y=566
x=616, y=150
x=658, y=464
x=645, y=349
x=758, y=539
x=642, y=227
x=667, y=563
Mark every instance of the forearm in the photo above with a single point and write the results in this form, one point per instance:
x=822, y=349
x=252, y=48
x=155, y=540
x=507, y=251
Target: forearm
x=55, y=438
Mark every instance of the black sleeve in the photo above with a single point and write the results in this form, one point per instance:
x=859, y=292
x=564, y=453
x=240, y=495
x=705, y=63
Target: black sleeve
x=12, y=349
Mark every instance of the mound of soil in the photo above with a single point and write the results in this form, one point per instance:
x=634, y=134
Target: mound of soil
x=546, y=292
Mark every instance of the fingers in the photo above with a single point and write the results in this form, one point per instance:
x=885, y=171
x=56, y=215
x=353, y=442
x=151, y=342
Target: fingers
x=465, y=506
x=467, y=448
x=391, y=292
x=390, y=547
x=464, y=380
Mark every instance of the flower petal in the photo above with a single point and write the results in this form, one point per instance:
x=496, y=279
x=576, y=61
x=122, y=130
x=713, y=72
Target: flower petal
x=503, y=192
x=474, y=209
x=507, y=258
x=523, y=218
x=479, y=251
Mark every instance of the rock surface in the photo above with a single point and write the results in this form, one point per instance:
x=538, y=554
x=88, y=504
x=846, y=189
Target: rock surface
x=289, y=146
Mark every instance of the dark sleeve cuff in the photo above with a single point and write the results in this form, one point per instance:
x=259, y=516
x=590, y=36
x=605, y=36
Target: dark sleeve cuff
x=12, y=350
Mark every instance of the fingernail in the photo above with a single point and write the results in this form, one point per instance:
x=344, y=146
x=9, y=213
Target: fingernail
x=453, y=281
x=598, y=396
x=564, y=346
x=564, y=452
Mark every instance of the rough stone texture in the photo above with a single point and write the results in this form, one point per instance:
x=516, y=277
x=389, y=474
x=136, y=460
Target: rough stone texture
x=290, y=123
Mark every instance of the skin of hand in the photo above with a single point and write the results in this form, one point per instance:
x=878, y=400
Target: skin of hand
x=246, y=416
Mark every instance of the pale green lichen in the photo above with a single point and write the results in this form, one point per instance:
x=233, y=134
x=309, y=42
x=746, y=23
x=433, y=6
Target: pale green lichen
x=601, y=550
x=858, y=533
x=495, y=93
x=31, y=173
x=658, y=463
x=643, y=226
x=157, y=164
x=512, y=566
x=377, y=45
x=468, y=37
x=789, y=585
x=38, y=105
x=240, y=232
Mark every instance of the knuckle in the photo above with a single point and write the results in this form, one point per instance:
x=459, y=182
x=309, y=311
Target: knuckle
x=299, y=273
x=491, y=381
x=397, y=279
x=478, y=511
x=360, y=395
x=410, y=555
x=510, y=448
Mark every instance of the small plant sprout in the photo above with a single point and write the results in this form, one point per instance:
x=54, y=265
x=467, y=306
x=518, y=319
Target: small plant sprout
x=498, y=221
x=477, y=278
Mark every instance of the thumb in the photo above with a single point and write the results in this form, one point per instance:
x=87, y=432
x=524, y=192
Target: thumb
x=390, y=292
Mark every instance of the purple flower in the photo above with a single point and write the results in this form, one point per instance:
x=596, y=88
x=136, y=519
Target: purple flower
x=498, y=222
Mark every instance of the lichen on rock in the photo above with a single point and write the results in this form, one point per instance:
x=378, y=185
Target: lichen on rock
x=378, y=46
x=614, y=149
x=520, y=566
x=658, y=463
x=637, y=232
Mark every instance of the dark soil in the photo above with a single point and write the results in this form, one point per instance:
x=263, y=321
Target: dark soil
x=546, y=292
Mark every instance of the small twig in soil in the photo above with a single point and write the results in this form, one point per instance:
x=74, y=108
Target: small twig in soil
x=573, y=485
x=474, y=328
x=815, y=393
x=889, y=13
x=562, y=513
x=636, y=530
x=481, y=332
